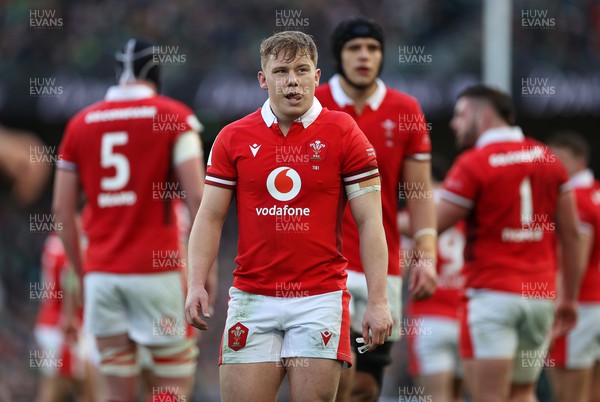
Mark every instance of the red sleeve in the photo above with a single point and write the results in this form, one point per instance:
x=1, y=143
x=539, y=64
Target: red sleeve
x=585, y=211
x=418, y=145
x=220, y=170
x=67, y=152
x=360, y=163
x=461, y=185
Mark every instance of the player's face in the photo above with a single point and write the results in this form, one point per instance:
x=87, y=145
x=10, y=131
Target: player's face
x=361, y=61
x=464, y=122
x=291, y=85
x=567, y=158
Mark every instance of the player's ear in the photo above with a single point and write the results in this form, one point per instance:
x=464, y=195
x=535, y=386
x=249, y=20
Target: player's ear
x=262, y=80
x=317, y=76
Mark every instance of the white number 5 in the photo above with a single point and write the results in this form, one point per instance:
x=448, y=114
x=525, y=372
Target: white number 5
x=109, y=158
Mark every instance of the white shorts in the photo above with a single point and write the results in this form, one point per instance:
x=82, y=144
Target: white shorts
x=149, y=308
x=580, y=348
x=54, y=357
x=502, y=325
x=357, y=286
x=268, y=329
x=435, y=350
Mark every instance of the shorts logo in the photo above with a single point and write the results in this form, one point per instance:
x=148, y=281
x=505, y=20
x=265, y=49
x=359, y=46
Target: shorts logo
x=284, y=183
x=237, y=336
x=326, y=335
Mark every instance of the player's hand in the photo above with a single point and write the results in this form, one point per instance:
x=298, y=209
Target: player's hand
x=377, y=324
x=565, y=318
x=196, y=306
x=69, y=326
x=423, y=278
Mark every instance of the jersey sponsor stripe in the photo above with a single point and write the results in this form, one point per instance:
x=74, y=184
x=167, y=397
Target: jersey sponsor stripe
x=361, y=176
x=456, y=199
x=129, y=113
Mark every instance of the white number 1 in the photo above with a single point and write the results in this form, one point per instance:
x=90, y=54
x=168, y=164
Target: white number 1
x=109, y=158
x=526, y=201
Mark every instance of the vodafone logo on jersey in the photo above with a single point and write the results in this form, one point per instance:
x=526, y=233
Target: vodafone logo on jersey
x=284, y=183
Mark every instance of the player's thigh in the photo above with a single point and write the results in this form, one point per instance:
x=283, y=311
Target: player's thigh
x=488, y=379
x=250, y=382
x=570, y=384
x=595, y=388
x=437, y=387
x=315, y=381
x=155, y=310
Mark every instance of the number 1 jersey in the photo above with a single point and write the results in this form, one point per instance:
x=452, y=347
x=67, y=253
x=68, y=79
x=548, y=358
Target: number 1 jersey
x=511, y=185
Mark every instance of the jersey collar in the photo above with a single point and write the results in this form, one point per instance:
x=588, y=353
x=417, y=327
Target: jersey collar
x=501, y=134
x=306, y=119
x=581, y=179
x=118, y=93
x=342, y=99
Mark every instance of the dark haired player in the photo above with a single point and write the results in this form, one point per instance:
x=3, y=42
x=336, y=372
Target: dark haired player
x=394, y=123
x=512, y=193
x=122, y=157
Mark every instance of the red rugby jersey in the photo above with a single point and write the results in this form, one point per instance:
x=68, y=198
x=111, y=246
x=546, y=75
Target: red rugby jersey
x=511, y=185
x=122, y=149
x=587, y=193
x=450, y=283
x=290, y=197
x=50, y=292
x=396, y=127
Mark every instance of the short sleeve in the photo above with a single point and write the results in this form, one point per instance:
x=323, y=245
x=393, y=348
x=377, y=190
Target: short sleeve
x=67, y=152
x=460, y=185
x=220, y=170
x=360, y=163
x=418, y=146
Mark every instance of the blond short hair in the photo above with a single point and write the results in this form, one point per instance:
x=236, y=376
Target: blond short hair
x=291, y=43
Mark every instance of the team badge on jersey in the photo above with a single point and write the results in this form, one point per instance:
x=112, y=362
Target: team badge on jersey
x=317, y=149
x=237, y=336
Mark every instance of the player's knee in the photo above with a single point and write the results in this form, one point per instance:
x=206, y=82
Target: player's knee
x=365, y=390
x=175, y=361
x=119, y=361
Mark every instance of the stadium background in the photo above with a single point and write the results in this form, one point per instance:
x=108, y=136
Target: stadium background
x=210, y=62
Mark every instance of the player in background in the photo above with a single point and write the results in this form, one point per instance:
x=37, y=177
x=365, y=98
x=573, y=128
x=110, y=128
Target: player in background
x=288, y=306
x=58, y=331
x=131, y=154
x=432, y=333
x=576, y=356
x=511, y=191
x=394, y=123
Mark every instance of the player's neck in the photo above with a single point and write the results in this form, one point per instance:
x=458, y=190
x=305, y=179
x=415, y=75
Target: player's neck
x=359, y=95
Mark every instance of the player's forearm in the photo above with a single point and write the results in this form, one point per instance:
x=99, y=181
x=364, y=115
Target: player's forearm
x=203, y=248
x=69, y=234
x=374, y=258
x=572, y=264
x=423, y=221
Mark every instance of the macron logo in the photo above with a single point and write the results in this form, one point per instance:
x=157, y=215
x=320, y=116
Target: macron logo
x=326, y=335
x=254, y=148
